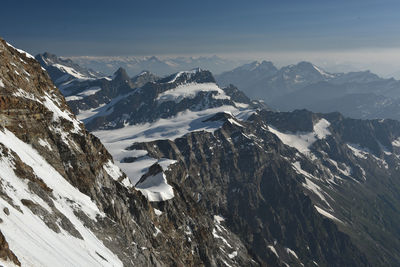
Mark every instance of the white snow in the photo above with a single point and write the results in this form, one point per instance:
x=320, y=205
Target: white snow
x=165, y=163
x=358, y=151
x=321, y=129
x=117, y=141
x=158, y=231
x=309, y=184
x=158, y=212
x=58, y=113
x=1, y=83
x=234, y=122
x=291, y=252
x=326, y=214
x=233, y=254
x=136, y=169
x=70, y=71
x=84, y=115
x=363, y=153
x=51, y=104
x=219, y=218
x=323, y=73
x=272, y=248
x=219, y=229
x=113, y=170
x=170, y=128
x=88, y=92
x=102, y=110
x=241, y=105
x=44, y=143
x=190, y=90
x=303, y=141
x=179, y=74
x=28, y=236
x=73, y=98
x=7, y=263
x=156, y=188
x=395, y=143
x=24, y=94
x=21, y=51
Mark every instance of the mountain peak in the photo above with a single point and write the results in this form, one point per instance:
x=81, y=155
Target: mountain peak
x=195, y=75
x=120, y=75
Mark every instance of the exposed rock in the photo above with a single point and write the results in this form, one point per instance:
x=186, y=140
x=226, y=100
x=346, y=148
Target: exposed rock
x=5, y=252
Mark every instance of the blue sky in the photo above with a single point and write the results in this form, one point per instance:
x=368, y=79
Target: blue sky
x=338, y=35
x=198, y=27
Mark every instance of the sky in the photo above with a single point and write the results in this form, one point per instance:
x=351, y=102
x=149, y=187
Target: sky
x=362, y=32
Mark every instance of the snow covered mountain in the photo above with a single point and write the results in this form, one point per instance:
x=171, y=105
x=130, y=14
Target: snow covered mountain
x=201, y=176
x=63, y=71
x=159, y=65
x=63, y=201
x=355, y=94
x=227, y=149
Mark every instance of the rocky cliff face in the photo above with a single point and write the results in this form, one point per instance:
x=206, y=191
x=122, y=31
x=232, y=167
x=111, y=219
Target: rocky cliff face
x=64, y=202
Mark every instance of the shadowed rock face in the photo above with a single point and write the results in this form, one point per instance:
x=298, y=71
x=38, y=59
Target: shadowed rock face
x=248, y=182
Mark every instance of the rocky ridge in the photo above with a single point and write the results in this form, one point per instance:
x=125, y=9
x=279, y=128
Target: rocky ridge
x=63, y=196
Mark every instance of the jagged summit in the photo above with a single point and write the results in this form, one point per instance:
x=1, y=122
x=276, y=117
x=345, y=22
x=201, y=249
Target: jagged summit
x=121, y=77
x=63, y=71
x=196, y=75
x=258, y=65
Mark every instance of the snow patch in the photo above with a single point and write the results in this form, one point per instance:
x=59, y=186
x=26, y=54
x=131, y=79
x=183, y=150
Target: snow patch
x=113, y=170
x=44, y=143
x=88, y=92
x=309, y=184
x=70, y=71
x=395, y=143
x=158, y=212
x=156, y=188
x=326, y=214
x=21, y=51
x=303, y=141
x=190, y=90
x=272, y=248
x=291, y=252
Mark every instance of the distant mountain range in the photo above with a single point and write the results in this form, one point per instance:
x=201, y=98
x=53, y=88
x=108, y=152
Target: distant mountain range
x=361, y=94
x=159, y=65
x=304, y=85
x=64, y=70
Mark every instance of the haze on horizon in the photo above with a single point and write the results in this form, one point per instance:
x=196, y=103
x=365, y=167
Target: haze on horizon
x=337, y=35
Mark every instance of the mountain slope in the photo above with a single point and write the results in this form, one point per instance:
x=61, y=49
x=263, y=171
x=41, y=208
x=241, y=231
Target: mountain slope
x=227, y=183
x=64, y=202
x=229, y=165
x=62, y=70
